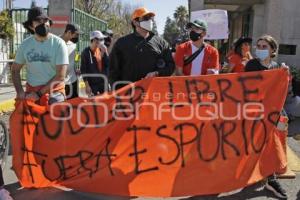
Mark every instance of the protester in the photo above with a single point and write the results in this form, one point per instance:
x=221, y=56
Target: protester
x=141, y=54
x=46, y=58
x=195, y=57
x=266, y=50
x=108, y=40
x=108, y=43
x=71, y=37
x=93, y=64
x=241, y=55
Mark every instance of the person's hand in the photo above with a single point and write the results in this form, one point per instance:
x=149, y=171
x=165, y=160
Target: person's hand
x=21, y=95
x=88, y=90
x=32, y=96
x=212, y=71
x=151, y=74
x=284, y=66
x=103, y=49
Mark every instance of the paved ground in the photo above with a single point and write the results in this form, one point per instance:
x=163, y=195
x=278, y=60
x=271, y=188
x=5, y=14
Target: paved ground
x=254, y=192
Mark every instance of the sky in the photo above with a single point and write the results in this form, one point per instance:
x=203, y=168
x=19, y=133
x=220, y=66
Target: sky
x=162, y=8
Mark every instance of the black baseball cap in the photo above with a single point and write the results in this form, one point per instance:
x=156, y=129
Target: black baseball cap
x=73, y=28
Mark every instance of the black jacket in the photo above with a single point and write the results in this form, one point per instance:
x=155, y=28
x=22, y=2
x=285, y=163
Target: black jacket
x=133, y=57
x=89, y=66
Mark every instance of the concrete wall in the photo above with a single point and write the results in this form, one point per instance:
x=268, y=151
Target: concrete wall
x=290, y=30
x=280, y=19
x=60, y=8
x=196, y=5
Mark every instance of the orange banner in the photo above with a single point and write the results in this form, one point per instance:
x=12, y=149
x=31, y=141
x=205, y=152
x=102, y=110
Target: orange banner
x=161, y=137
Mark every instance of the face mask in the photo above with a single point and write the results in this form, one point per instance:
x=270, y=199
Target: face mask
x=262, y=54
x=42, y=30
x=75, y=40
x=107, y=44
x=195, y=36
x=147, y=25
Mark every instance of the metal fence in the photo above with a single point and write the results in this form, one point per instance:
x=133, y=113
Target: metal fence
x=87, y=24
x=19, y=16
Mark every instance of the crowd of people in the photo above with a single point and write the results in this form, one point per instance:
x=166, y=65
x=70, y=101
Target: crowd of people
x=52, y=75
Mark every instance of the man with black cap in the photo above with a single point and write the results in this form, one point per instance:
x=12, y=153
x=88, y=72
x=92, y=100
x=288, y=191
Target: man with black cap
x=141, y=54
x=71, y=37
x=46, y=58
x=195, y=57
x=108, y=40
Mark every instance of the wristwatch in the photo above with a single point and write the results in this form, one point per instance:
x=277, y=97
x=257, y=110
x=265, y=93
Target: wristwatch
x=39, y=93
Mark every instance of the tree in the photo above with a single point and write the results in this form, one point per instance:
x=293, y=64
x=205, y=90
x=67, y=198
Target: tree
x=114, y=12
x=6, y=26
x=171, y=31
x=181, y=17
x=154, y=30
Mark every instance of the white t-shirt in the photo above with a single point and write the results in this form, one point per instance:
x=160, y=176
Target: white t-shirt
x=197, y=62
x=71, y=74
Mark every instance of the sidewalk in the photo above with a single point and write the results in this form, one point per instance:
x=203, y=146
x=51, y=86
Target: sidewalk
x=7, y=96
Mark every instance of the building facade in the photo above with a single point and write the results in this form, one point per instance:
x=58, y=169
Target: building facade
x=253, y=18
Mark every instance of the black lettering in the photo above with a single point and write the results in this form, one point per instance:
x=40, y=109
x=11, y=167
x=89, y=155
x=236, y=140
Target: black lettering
x=171, y=139
x=224, y=134
x=214, y=156
x=246, y=91
x=224, y=86
x=253, y=130
x=136, y=152
x=182, y=142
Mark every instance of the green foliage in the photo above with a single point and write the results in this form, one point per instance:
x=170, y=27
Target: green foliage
x=295, y=73
x=181, y=17
x=175, y=28
x=6, y=26
x=171, y=31
x=116, y=13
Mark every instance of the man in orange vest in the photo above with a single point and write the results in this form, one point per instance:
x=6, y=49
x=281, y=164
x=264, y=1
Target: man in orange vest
x=195, y=57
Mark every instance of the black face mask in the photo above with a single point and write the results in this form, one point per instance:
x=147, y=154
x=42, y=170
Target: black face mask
x=195, y=36
x=75, y=40
x=42, y=30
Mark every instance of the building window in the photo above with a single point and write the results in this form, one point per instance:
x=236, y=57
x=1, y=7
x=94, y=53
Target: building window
x=286, y=49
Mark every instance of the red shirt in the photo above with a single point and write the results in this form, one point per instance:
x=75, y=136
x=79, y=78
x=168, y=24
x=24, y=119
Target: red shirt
x=210, y=59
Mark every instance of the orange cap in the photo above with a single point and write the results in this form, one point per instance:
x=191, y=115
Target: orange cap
x=141, y=12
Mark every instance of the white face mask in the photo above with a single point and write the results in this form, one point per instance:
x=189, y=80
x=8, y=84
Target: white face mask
x=262, y=54
x=147, y=25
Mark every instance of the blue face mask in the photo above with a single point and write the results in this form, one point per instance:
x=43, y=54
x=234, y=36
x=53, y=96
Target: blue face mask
x=262, y=54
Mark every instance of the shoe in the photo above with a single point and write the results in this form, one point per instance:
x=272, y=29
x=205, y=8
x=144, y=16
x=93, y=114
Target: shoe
x=5, y=195
x=274, y=186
